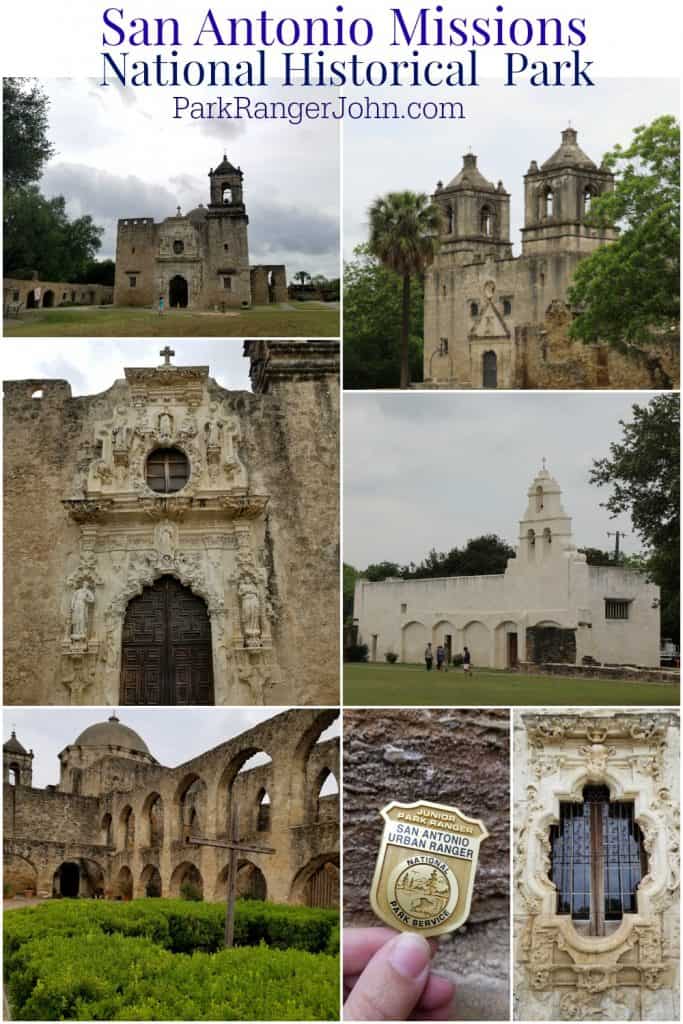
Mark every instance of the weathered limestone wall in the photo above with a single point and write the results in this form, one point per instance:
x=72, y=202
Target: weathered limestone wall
x=136, y=249
x=458, y=757
x=45, y=815
x=285, y=452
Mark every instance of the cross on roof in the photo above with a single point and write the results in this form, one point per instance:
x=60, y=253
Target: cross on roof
x=544, y=463
x=167, y=353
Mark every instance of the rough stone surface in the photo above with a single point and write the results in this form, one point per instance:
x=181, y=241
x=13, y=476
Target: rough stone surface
x=253, y=533
x=551, y=644
x=457, y=758
x=643, y=675
x=105, y=818
x=34, y=294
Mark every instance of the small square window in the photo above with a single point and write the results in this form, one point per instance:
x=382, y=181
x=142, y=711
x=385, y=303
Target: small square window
x=225, y=246
x=616, y=608
x=133, y=249
x=507, y=307
x=227, y=283
x=404, y=609
x=474, y=309
x=132, y=280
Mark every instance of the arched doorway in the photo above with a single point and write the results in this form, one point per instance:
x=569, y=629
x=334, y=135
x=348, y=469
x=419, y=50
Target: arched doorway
x=67, y=880
x=166, y=652
x=150, y=880
x=317, y=884
x=48, y=298
x=31, y=299
x=490, y=370
x=177, y=291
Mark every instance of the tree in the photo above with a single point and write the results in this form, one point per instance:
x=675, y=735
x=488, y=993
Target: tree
x=643, y=470
x=349, y=577
x=26, y=147
x=38, y=235
x=381, y=571
x=627, y=292
x=372, y=322
x=302, y=276
x=99, y=272
x=403, y=236
x=481, y=556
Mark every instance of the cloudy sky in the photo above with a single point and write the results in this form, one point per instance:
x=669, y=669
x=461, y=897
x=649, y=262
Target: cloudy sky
x=506, y=127
x=173, y=735
x=426, y=470
x=120, y=153
x=93, y=366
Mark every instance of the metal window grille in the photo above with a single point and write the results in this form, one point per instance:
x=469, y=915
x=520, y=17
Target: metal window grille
x=616, y=608
x=168, y=470
x=597, y=859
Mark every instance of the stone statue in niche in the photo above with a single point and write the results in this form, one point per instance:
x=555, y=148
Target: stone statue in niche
x=81, y=600
x=165, y=425
x=165, y=539
x=251, y=611
x=213, y=433
x=122, y=436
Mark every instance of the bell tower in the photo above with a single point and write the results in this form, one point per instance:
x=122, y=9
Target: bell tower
x=475, y=215
x=226, y=188
x=557, y=200
x=227, y=278
x=545, y=531
x=17, y=763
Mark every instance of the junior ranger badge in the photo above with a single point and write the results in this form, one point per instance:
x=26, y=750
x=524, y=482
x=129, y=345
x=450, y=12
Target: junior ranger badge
x=425, y=868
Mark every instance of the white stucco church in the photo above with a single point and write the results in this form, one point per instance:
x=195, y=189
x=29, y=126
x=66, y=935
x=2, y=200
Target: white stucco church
x=548, y=606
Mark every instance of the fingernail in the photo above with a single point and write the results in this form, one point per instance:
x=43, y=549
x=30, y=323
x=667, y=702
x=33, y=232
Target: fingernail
x=410, y=955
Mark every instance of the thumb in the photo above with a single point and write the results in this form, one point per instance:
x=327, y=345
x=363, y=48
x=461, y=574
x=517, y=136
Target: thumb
x=393, y=981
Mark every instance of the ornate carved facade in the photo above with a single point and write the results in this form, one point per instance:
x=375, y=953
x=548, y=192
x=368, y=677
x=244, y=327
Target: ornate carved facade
x=629, y=971
x=167, y=476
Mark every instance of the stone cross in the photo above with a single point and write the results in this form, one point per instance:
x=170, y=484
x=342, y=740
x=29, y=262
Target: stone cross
x=234, y=845
x=544, y=463
x=167, y=353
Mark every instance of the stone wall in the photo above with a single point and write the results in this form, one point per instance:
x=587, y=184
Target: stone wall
x=90, y=514
x=454, y=757
x=550, y=643
x=44, y=814
x=52, y=294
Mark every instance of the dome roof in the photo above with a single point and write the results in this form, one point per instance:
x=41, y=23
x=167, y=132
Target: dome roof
x=13, y=746
x=470, y=177
x=569, y=154
x=199, y=213
x=111, y=734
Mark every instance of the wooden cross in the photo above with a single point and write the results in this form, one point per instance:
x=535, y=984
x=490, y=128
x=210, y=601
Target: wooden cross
x=167, y=353
x=234, y=845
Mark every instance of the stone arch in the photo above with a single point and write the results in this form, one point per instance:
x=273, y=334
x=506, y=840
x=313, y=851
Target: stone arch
x=547, y=624
x=190, y=805
x=326, y=804
x=414, y=638
x=178, y=292
x=250, y=885
x=126, y=830
x=506, y=644
x=150, y=881
x=184, y=876
x=66, y=880
x=107, y=830
x=19, y=874
x=152, y=821
x=225, y=791
x=486, y=220
x=489, y=369
x=263, y=810
x=588, y=194
x=31, y=301
x=317, y=883
x=477, y=638
x=14, y=773
x=444, y=633
x=48, y=299
x=123, y=884
x=547, y=203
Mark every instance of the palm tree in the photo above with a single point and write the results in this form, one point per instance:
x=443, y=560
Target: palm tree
x=404, y=229
x=302, y=276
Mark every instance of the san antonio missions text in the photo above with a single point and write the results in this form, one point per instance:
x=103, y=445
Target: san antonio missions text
x=310, y=66
x=431, y=840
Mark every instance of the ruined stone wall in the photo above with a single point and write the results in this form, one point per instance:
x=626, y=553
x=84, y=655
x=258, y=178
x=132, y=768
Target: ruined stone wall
x=53, y=293
x=136, y=250
x=550, y=643
x=45, y=815
x=454, y=757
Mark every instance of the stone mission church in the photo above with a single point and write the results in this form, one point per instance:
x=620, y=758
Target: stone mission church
x=548, y=606
x=119, y=824
x=199, y=260
x=172, y=542
x=494, y=320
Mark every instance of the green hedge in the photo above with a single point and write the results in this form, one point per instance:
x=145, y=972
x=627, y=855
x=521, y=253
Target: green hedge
x=114, y=977
x=163, y=960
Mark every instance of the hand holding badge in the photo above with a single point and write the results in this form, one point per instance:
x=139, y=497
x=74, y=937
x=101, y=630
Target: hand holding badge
x=425, y=868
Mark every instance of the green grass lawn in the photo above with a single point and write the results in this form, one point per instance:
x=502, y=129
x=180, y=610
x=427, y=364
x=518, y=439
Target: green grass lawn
x=381, y=684
x=290, y=320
